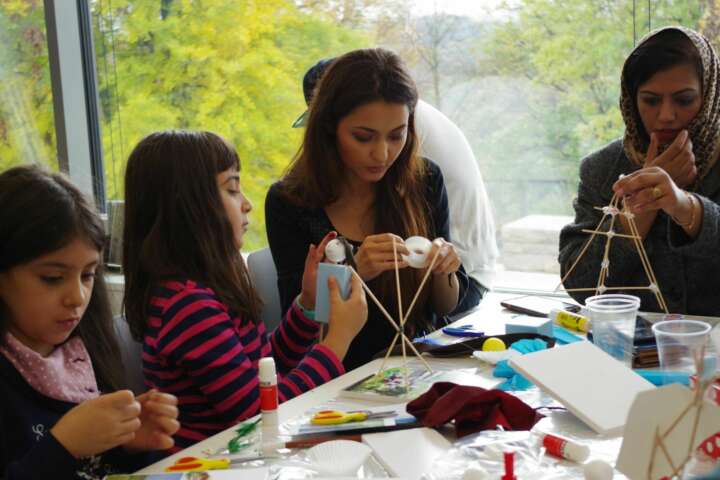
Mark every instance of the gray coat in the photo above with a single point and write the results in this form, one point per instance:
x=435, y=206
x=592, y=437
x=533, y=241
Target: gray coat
x=687, y=270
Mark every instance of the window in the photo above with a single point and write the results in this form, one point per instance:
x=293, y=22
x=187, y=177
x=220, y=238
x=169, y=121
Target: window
x=27, y=133
x=533, y=84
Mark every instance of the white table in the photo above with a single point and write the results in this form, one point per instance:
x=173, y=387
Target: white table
x=489, y=316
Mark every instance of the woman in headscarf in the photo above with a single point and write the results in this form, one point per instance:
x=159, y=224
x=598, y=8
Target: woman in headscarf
x=665, y=170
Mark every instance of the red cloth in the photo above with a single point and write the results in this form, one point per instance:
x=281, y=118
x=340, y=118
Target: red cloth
x=473, y=409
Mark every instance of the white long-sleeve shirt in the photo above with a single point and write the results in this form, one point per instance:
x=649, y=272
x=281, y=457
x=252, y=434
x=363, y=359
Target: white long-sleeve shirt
x=472, y=228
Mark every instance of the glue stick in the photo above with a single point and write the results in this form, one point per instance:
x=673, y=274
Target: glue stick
x=570, y=320
x=268, y=392
x=565, y=448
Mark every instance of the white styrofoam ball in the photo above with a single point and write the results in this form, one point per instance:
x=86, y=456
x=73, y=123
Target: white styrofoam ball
x=598, y=470
x=419, y=248
x=475, y=473
x=335, y=251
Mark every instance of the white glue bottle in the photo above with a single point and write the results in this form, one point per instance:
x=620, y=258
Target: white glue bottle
x=268, y=393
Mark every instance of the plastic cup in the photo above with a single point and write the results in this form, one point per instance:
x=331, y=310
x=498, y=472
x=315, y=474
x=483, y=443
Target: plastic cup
x=613, y=324
x=681, y=342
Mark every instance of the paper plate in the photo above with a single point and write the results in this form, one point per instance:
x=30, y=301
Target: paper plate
x=339, y=457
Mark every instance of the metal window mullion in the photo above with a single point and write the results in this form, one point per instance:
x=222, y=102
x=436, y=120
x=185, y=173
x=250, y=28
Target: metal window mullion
x=75, y=103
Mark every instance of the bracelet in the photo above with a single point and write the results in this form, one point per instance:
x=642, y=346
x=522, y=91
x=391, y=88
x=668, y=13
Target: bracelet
x=307, y=313
x=689, y=225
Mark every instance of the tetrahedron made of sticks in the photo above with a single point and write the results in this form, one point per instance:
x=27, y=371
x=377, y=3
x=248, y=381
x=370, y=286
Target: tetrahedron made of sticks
x=610, y=218
x=338, y=251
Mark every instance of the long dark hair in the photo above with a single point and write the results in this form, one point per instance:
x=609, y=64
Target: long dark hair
x=176, y=225
x=314, y=178
x=41, y=212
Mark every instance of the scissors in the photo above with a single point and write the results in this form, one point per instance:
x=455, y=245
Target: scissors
x=336, y=417
x=198, y=464
x=464, y=331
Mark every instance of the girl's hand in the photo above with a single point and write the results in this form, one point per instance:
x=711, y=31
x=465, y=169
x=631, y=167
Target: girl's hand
x=158, y=422
x=375, y=255
x=448, y=260
x=347, y=317
x=309, y=279
x=651, y=189
x=100, y=424
x=678, y=160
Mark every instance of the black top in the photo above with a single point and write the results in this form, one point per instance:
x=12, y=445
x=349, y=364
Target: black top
x=291, y=229
x=27, y=448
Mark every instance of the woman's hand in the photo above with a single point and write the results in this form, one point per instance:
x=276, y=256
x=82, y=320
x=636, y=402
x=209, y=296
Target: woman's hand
x=158, y=420
x=375, y=255
x=309, y=279
x=100, y=424
x=678, y=160
x=448, y=260
x=347, y=317
x=651, y=189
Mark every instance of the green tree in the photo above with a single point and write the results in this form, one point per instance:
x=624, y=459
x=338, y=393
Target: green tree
x=230, y=67
x=27, y=133
x=562, y=61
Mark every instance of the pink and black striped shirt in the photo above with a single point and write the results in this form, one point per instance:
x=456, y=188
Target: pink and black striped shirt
x=197, y=351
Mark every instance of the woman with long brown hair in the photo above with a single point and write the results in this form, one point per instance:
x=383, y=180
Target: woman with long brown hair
x=358, y=173
x=188, y=294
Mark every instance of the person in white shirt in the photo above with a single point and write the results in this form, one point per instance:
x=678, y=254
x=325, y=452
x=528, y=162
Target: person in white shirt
x=472, y=228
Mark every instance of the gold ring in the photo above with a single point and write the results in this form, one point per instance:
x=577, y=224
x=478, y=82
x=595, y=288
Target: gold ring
x=656, y=192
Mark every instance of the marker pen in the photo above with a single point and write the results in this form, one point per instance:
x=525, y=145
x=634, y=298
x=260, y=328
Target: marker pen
x=570, y=320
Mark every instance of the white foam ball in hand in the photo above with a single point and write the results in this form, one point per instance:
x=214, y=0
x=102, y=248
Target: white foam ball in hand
x=475, y=473
x=419, y=248
x=335, y=251
x=598, y=470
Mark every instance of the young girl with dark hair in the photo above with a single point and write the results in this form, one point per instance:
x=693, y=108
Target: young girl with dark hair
x=59, y=359
x=358, y=173
x=671, y=108
x=188, y=294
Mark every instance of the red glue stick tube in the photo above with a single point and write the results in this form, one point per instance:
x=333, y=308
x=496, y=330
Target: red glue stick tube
x=268, y=392
x=565, y=448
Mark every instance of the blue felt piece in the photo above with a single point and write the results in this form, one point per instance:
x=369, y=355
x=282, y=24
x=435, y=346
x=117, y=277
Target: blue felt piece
x=515, y=381
x=343, y=275
x=529, y=345
x=660, y=378
x=528, y=324
x=563, y=336
x=502, y=369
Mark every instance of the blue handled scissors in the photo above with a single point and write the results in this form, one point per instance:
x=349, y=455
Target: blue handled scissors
x=464, y=331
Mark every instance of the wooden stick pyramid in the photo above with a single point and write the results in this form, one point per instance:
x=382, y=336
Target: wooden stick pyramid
x=611, y=213
x=398, y=325
x=695, y=405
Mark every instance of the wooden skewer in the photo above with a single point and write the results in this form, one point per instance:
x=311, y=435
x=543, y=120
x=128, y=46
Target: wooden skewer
x=390, y=319
x=400, y=314
x=607, y=234
x=580, y=255
x=387, y=355
x=592, y=289
x=422, y=284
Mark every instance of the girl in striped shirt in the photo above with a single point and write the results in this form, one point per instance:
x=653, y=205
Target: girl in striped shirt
x=188, y=294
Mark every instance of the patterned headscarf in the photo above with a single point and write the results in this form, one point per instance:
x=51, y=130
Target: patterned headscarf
x=704, y=129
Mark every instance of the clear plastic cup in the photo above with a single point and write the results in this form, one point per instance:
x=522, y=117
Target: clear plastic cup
x=681, y=342
x=613, y=324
